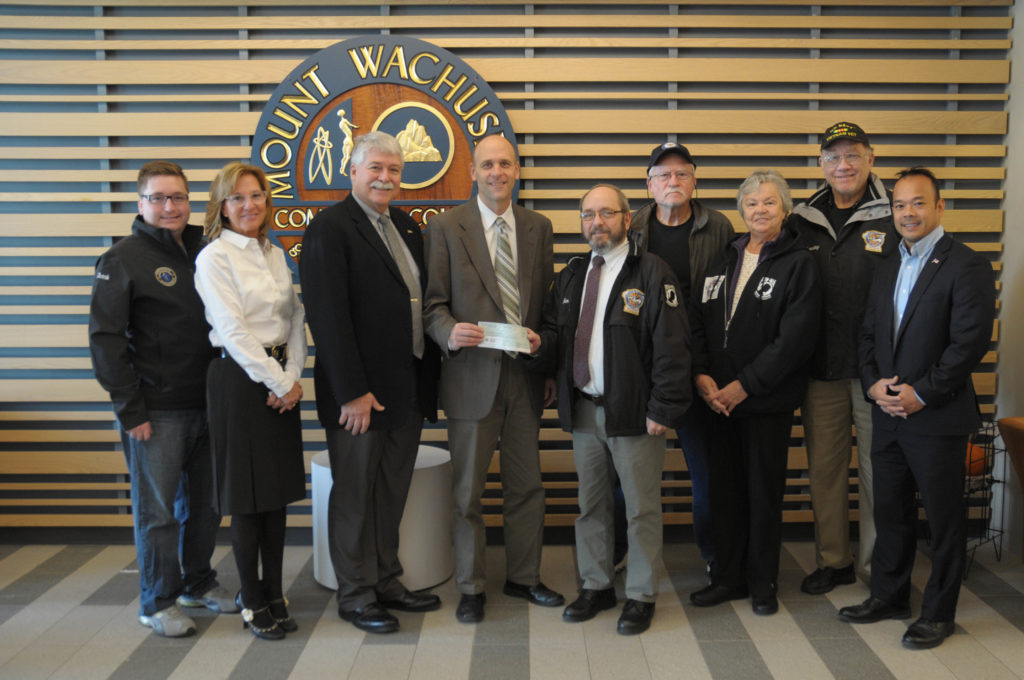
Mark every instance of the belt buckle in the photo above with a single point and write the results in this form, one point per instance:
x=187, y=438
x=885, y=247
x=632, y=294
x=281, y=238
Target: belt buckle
x=279, y=353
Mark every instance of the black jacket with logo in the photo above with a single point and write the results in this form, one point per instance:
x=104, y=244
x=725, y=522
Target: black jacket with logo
x=711, y=231
x=148, y=336
x=646, y=354
x=768, y=340
x=847, y=261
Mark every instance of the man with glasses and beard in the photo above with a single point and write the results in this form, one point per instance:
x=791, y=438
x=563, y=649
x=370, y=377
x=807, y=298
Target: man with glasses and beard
x=615, y=326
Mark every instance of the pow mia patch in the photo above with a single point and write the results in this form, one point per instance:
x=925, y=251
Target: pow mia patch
x=712, y=286
x=633, y=300
x=166, y=276
x=764, y=289
x=671, y=298
x=873, y=241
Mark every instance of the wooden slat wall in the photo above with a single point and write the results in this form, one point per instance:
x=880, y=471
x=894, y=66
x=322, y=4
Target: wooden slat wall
x=89, y=92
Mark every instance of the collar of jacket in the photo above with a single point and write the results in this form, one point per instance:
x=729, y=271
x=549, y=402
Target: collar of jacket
x=640, y=222
x=874, y=204
x=787, y=239
x=192, y=236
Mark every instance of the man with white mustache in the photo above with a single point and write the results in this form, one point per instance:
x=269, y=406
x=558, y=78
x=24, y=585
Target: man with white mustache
x=847, y=226
x=688, y=235
x=362, y=274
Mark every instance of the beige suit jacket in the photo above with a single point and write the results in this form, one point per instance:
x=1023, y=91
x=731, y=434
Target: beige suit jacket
x=462, y=287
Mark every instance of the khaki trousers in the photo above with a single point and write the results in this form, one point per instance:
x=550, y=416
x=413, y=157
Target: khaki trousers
x=638, y=461
x=829, y=410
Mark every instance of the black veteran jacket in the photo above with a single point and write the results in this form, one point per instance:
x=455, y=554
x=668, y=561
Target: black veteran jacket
x=646, y=342
x=767, y=342
x=148, y=336
x=846, y=261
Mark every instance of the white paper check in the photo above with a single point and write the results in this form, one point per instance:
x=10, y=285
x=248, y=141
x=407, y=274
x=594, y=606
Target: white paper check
x=504, y=336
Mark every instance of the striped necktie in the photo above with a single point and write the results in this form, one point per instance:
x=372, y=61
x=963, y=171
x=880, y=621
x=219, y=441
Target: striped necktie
x=505, y=270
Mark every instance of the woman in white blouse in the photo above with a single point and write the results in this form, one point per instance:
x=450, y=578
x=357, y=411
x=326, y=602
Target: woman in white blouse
x=253, y=390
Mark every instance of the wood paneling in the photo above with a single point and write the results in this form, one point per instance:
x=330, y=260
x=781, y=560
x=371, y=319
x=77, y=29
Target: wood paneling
x=89, y=91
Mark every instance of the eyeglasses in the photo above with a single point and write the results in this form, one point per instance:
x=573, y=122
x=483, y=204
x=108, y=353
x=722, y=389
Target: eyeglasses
x=160, y=199
x=589, y=216
x=832, y=159
x=680, y=175
x=239, y=199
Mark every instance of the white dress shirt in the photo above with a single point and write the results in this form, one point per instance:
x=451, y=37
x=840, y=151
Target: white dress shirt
x=613, y=261
x=487, y=218
x=250, y=305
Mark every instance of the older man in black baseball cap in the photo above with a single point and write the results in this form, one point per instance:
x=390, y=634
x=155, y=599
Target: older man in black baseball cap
x=688, y=235
x=848, y=227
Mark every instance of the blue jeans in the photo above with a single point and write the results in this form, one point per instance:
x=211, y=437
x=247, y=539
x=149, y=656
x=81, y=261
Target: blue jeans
x=693, y=438
x=172, y=505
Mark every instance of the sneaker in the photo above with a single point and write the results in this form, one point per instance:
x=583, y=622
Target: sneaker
x=216, y=599
x=170, y=622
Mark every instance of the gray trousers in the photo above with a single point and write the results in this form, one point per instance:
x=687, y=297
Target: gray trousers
x=638, y=461
x=512, y=426
x=371, y=473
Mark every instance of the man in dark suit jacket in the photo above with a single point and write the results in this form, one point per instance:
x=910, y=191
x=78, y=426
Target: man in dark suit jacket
x=487, y=395
x=928, y=324
x=362, y=275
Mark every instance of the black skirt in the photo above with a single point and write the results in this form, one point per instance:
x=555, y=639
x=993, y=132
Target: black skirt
x=257, y=452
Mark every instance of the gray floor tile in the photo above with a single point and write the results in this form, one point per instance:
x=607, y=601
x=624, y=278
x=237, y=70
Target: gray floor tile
x=850, y=659
x=45, y=576
x=716, y=623
x=504, y=625
x=500, y=662
x=734, y=659
x=150, y=662
x=1010, y=608
x=817, y=617
x=122, y=588
x=983, y=582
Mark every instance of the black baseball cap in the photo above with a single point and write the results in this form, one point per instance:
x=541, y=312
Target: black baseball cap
x=841, y=131
x=670, y=147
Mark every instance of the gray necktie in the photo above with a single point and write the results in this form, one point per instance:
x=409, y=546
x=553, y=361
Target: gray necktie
x=395, y=246
x=505, y=270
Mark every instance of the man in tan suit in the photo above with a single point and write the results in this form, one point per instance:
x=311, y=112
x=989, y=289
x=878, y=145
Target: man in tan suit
x=489, y=260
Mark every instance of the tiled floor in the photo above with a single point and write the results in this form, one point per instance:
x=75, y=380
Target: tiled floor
x=70, y=612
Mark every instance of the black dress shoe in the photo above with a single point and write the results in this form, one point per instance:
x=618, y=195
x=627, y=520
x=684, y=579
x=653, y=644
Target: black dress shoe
x=636, y=617
x=538, y=594
x=925, y=633
x=588, y=604
x=823, y=580
x=371, y=618
x=413, y=602
x=764, y=605
x=471, y=608
x=716, y=594
x=873, y=609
